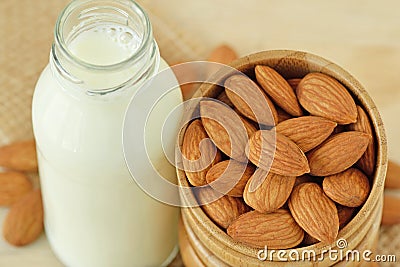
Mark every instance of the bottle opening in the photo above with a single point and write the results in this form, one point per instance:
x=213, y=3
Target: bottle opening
x=104, y=45
x=103, y=32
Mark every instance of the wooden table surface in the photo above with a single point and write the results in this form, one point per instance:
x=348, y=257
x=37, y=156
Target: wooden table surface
x=361, y=36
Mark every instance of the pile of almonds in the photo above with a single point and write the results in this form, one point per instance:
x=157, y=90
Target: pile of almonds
x=24, y=221
x=301, y=190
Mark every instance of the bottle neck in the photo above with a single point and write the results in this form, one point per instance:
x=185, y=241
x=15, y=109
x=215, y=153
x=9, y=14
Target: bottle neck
x=103, y=47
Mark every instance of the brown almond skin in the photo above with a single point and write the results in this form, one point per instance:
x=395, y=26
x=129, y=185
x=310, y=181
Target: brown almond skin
x=275, y=230
x=339, y=129
x=194, y=134
x=278, y=89
x=230, y=174
x=271, y=194
x=323, y=96
x=314, y=212
x=337, y=153
x=393, y=175
x=294, y=83
x=24, y=222
x=391, y=214
x=224, y=98
x=345, y=215
x=287, y=158
x=368, y=159
x=224, y=210
x=250, y=100
x=307, y=131
x=228, y=133
x=19, y=156
x=250, y=128
x=282, y=115
x=223, y=54
x=13, y=186
x=309, y=240
x=349, y=188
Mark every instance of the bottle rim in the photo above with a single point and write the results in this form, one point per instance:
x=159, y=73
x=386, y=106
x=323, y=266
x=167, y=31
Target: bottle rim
x=61, y=42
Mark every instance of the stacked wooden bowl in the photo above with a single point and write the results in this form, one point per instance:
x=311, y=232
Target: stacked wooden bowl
x=203, y=243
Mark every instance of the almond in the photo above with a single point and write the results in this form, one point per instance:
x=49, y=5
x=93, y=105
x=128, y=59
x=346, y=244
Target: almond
x=222, y=211
x=271, y=194
x=225, y=129
x=294, y=83
x=13, y=186
x=391, y=214
x=250, y=100
x=275, y=230
x=282, y=115
x=323, y=96
x=275, y=152
x=250, y=128
x=24, y=222
x=224, y=99
x=367, y=161
x=314, y=212
x=223, y=54
x=338, y=153
x=339, y=129
x=393, y=175
x=349, y=188
x=201, y=155
x=307, y=131
x=278, y=89
x=309, y=240
x=19, y=156
x=230, y=177
x=345, y=215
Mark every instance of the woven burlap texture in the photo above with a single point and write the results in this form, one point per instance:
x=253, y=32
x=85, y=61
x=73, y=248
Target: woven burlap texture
x=26, y=33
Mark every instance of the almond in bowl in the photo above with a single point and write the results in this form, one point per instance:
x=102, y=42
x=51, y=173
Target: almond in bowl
x=302, y=167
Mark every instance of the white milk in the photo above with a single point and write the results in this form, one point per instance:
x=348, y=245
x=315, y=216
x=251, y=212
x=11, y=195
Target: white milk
x=95, y=214
x=105, y=45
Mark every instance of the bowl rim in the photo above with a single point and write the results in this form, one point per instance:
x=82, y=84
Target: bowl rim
x=319, y=64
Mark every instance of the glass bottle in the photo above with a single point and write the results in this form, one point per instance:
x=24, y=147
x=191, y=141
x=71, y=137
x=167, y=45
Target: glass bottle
x=95, y=213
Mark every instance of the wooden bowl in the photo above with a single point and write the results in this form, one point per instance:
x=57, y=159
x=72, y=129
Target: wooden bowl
x=294, y=64
x=189, y=256
x=199, y=250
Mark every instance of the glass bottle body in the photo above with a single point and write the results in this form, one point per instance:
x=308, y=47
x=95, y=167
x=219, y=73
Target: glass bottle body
x=95, y=213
